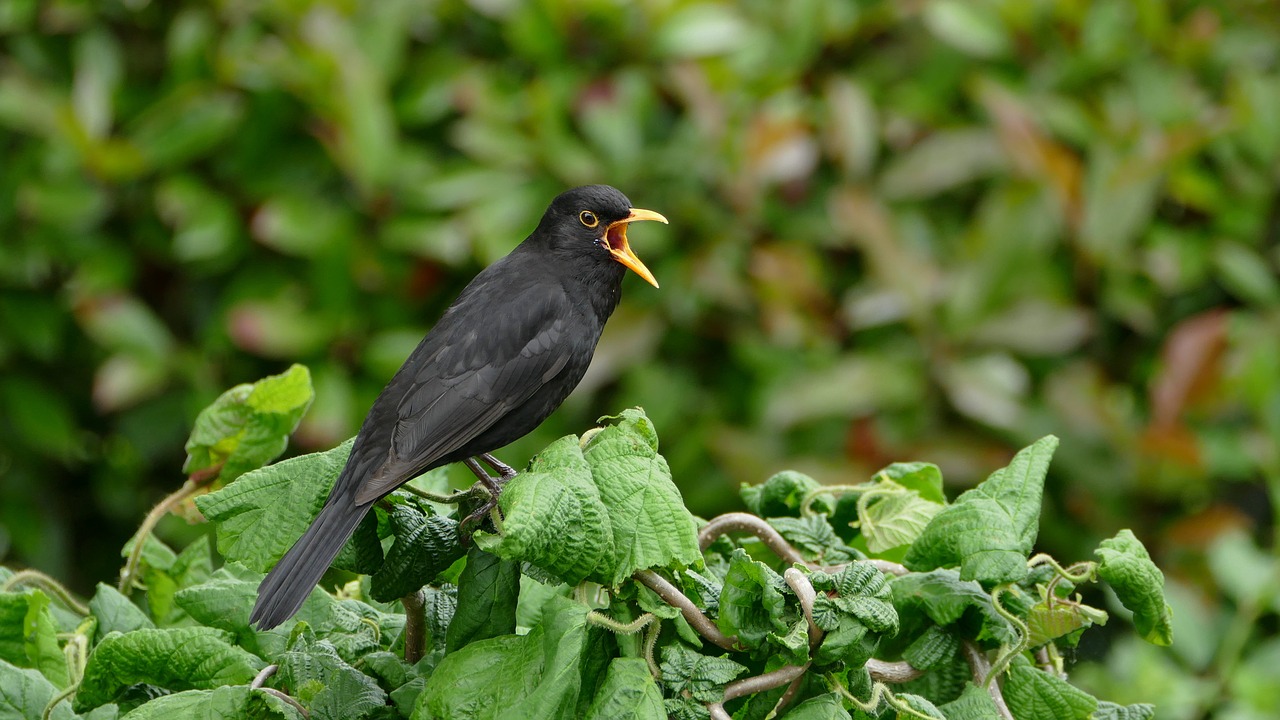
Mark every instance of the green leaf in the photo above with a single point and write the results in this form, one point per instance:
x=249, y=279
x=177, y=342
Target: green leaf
x=935, y=648
x=40, y=638
x=973, y=704
x=225, y=601
x=424, y=546
x=224, y=703
x=1112, y=711
x=892, y=518
x=326, y=685
x=651, y=526
x=362, y=554
x=175, y=658
x=628, y=693
x=249, y=425
x=537, y=676
x=488, y=591
x=989, y=531
x=24, y=694
x=922, y=706
x=1127, y=568
x=1046, y=623
x=823, y=707
x=780, y=495
x=972, y=28
x=702, y=677
x=553, y=516
x=944, y=598
x=115, y=612
x=1036, y=695
x=812, y=534
x=924, y=479
x=751, y=601
x=262, y=514
x=185, y=124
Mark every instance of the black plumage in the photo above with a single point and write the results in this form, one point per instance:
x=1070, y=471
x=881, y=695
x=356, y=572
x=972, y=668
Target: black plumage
x=503, y=357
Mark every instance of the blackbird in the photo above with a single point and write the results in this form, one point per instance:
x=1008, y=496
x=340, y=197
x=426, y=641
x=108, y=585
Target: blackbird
x=499, y=361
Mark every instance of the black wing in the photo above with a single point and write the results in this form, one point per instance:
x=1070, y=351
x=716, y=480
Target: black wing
x=484, y=359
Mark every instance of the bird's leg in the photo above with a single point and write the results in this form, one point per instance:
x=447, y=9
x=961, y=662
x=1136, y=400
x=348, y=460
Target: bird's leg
x=506, y=471
x=491, y=485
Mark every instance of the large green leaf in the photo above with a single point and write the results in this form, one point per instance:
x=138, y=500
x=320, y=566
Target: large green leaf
x=990, y=530
x=176, y=659
x=628, y=693
x=261, y=515
x=249, y=425
x=554, y=518
x=233, y=702
x=651, y=526
x=325, y=684
x=537, y=676
x=424, y=546
x=488, y=591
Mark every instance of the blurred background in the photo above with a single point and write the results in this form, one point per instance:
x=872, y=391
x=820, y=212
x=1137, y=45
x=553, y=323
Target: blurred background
x=917, y=230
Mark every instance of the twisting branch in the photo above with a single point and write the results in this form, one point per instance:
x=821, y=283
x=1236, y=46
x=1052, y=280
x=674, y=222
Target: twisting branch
x=753, y=525
x=803, y=589
x=981, y=669
x=671, y=595
x=745, y=522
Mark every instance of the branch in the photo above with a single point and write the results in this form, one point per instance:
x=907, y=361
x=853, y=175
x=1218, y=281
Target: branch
x=980, y=668
x=753, y=525
x=892, y=672
x=671, y=595
x=415, y=625
x=757, y=684
x=748, y=523
x=803, y=589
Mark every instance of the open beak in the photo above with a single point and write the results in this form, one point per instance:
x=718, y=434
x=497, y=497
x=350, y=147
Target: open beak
x=615, y=237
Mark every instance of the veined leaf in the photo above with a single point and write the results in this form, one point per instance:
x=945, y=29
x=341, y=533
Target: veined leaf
x=260, y=516
x=989, y=531
x=249, y=425
x=175, y=658
x=1139, y=584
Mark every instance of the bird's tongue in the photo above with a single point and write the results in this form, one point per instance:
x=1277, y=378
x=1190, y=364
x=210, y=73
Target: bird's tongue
x=616, y=236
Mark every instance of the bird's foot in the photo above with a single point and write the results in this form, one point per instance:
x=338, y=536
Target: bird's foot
x=491, y=485
x=504, y=470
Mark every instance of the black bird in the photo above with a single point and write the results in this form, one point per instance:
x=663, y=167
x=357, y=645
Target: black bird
x=501, y=359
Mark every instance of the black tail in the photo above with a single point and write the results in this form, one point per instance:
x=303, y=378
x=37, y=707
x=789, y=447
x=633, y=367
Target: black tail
x=292, y=579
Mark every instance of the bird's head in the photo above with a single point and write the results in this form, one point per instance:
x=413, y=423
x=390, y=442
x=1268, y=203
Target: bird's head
x=593, y=219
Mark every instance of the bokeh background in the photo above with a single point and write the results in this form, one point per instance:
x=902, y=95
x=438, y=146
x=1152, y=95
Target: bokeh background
x=900, y=230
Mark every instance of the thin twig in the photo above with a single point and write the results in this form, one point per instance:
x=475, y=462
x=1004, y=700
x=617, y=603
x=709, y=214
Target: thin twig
x=980, y=668
x=60, y=697
x=196, y=481
x=44, y=582
x=287, y=698
x=415, y=625
x=671, y=595
x=449, y=499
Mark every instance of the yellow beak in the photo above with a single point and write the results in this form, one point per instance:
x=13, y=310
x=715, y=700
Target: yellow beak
x=615, y=237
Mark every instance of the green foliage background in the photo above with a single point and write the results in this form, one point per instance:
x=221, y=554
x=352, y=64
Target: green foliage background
x=927, y=230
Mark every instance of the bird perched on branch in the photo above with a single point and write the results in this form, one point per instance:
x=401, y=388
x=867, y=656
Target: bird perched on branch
x=504, y=356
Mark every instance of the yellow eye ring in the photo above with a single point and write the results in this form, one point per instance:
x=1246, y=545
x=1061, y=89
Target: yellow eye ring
x=588, y=218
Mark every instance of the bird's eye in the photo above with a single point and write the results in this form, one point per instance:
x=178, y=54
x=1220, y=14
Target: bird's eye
x=588, y=218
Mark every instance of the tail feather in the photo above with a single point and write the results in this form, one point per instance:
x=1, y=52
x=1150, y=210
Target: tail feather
x=289, y=583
